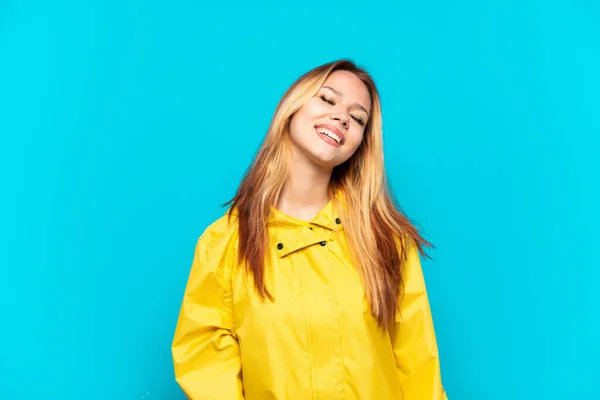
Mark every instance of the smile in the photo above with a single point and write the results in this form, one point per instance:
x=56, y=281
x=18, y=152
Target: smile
x=330, y=134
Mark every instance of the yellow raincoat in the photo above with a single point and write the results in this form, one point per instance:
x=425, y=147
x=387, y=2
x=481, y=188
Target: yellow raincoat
x=318, y=340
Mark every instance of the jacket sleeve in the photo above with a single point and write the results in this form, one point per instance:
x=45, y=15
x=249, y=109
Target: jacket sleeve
x=205, y=349
x=413, y=336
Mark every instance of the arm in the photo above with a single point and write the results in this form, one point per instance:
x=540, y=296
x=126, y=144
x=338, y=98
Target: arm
x=413, y=336
x=205, y=350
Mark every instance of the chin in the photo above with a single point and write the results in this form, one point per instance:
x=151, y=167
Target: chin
x=325, y=161
x=319, y=153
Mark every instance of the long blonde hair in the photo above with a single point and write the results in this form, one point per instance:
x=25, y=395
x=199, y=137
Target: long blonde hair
x=377, y=230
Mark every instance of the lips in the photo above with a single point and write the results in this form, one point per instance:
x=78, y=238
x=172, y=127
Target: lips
x=333, y=129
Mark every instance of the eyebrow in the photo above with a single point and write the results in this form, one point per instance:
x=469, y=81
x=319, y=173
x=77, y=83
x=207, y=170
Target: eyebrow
x=340, y=94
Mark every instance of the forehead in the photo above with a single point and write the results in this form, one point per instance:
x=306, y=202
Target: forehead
x=353, y=89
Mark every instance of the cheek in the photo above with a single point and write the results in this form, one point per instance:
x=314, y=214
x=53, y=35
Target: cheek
x=303, y=119
x=354, y=138
x=311, y=111
x=297, y=125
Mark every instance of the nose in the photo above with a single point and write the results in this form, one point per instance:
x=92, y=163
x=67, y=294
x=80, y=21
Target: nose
x=342, y=117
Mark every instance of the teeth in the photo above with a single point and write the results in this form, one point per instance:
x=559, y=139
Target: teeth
x=332, y=135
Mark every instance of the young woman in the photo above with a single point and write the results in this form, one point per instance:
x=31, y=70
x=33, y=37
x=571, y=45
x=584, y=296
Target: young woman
x=310, y=286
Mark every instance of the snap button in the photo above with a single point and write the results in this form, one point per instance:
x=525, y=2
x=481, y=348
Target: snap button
x=279, y=246
x=338, y=221
x=323, y=243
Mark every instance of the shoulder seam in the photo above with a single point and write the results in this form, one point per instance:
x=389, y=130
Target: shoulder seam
x=226, y=284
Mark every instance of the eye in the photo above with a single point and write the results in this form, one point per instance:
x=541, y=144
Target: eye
x=326, y=99
x=360, y=121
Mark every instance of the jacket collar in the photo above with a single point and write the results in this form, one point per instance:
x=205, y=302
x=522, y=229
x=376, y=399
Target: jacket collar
x=288, y=234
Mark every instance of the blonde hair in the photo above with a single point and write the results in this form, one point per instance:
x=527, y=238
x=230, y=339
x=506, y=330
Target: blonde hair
x=377, y=230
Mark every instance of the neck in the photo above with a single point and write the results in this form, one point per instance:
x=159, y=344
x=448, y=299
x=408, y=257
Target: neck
x=306, y=191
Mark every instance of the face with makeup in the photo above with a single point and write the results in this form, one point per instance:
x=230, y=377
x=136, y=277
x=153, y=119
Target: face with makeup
x=328, y=129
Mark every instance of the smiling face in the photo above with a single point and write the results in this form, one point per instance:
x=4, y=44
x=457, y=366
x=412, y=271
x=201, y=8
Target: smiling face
x=328, y=129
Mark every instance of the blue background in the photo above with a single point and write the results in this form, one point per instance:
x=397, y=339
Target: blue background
x=124, y=126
